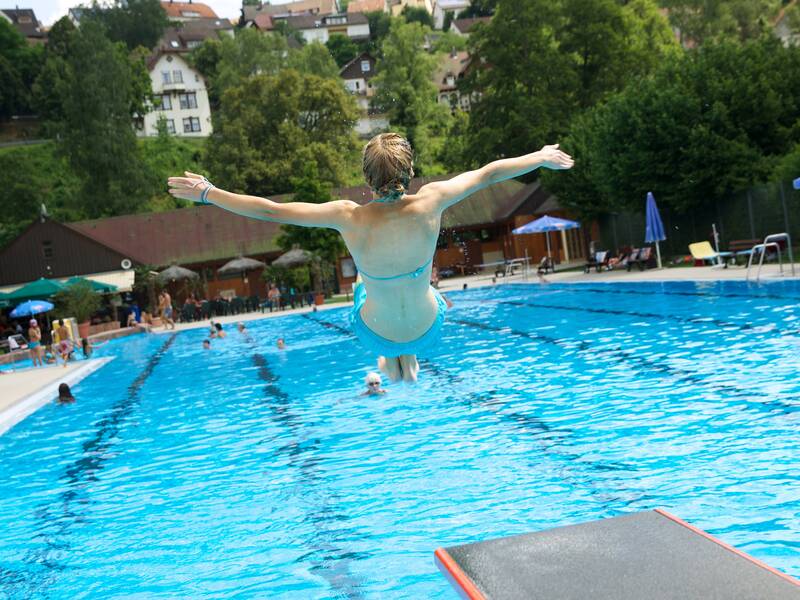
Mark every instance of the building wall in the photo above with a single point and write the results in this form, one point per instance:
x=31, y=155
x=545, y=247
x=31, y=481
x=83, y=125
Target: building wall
x=439, y=11
x=192, y=82
x=53, y=250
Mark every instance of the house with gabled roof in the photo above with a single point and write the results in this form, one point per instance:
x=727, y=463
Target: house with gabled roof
x=357, y=76
x=24, y=20
x=187, y=11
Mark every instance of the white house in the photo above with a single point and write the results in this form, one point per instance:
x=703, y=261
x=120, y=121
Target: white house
x=357, y=75
x=450, y=72
x=180, y=98
x=442, y=7
x=318, y=28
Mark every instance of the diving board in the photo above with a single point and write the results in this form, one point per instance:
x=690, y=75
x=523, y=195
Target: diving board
x=650, y=554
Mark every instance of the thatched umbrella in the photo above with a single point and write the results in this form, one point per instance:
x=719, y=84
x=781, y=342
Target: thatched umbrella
x=240, y=265
x=175, y=273
x=293, y=258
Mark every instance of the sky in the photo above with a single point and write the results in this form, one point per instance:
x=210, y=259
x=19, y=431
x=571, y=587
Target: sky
x=50, y=11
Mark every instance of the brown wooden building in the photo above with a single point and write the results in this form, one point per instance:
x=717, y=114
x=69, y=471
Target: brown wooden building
x=203, y=238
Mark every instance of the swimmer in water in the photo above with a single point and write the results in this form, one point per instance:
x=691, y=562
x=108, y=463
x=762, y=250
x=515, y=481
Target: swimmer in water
x=373, y=381
x=392, y=239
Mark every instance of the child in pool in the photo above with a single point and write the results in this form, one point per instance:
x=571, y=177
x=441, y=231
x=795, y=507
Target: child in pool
x=397, y=314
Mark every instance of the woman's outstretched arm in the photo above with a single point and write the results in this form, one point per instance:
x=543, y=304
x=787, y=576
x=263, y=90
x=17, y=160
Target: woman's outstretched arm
x=446, y=193
x=334, y=215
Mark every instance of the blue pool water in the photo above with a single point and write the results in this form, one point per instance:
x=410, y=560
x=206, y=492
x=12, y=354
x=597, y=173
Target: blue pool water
x=251, y=472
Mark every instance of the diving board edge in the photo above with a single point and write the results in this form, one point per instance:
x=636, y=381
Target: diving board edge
x=457, y=578
x=728, y=547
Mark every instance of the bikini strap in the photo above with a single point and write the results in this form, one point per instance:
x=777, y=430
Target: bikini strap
x=411, y=274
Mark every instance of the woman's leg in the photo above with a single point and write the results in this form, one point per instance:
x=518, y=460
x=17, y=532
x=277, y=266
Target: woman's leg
x=391, y=368
x=409, y=366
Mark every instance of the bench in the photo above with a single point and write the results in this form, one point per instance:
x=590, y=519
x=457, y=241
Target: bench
x=742, y=247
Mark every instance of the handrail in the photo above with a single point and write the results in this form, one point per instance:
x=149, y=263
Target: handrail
x=771, y=241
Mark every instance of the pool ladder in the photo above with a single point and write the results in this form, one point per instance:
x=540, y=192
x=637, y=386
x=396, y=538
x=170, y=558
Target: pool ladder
x=770, y=242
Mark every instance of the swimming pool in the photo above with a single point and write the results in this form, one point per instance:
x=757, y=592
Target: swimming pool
x=252, y=472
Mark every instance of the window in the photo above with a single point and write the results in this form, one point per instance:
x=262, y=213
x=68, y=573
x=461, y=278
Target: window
x=171, y=126
x=188, y=100
x=166, y=77
x=193, y=44
x=163, y=102
x=177, y=77
x=365, y=66
x=47, y=249
x=174, y=43
x=191, y=125
x=190, y=13
x=358, y=86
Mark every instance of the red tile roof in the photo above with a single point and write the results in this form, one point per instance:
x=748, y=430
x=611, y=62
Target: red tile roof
x=366, y=6
x=176, y=10
x=205, y=233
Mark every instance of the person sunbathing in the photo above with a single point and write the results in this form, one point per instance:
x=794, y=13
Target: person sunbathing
x=392, y=240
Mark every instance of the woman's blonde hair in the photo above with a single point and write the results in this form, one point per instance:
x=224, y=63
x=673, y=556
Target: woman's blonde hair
x=388, y=165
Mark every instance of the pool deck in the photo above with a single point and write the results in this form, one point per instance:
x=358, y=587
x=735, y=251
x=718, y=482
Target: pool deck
x=25, y=391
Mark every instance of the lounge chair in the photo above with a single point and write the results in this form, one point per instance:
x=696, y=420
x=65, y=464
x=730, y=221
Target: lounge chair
x=702, y=251
x=598, y=261
x=642, y=259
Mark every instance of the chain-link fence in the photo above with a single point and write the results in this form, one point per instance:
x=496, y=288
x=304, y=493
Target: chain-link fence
x=747, y=215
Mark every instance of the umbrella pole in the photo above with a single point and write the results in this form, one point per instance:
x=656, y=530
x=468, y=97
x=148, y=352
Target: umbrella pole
x=658, y=255
x=549, y=258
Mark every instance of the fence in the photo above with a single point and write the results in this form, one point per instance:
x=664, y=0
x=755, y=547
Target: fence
x=750, y=214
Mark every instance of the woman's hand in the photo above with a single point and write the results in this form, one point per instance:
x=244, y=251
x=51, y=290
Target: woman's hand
x=189, y=187
x=553, y=158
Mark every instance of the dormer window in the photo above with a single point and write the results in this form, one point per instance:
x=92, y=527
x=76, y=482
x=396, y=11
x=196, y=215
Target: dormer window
x=190, y=13
x=174, y=44
x=24, y=19
x=365, y=66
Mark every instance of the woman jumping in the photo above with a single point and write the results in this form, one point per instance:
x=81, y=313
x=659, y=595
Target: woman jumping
x=392, y=239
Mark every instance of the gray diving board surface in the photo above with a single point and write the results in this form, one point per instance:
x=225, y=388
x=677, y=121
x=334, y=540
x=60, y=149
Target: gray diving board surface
x=650, y=555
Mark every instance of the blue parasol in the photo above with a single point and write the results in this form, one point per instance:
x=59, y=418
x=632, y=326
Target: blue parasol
x=654, y=230
x=545, y=224
x=31, y=307
x=796, y=183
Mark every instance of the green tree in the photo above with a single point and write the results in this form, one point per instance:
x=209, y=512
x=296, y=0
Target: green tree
x=417, y=14
x=478, y=8
x=206, y=58
x=342, y=48
x=706, y=124
x=699, y=21
x=406, y=93
x=270, y=126
x=379, y=25
x=99, y=101
x=326, y=244
x=314, y=59
x=528, y=90
x=32, y=176
x=46, y=98
x=248, y=54
x=19, y=66
x=133, y=22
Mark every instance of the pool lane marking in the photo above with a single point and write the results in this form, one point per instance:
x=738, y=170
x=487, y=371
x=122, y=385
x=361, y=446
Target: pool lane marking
x=485, y=400
x=532, y=425
x=639, y=292
x=82, y=471
x=641, y=362
x=333, y=564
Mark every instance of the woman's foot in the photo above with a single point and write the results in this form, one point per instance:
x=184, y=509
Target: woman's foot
x=391, y=368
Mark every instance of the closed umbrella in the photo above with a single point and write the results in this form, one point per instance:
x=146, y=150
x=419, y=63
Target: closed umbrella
x=41, y=288
x=293, y=258
x=654, y=230
x=546, y=224
x=240, y=265
x=31, y=307
x=176, y=273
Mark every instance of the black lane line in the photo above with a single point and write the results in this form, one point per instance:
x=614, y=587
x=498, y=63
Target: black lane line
x=546, y=437
x=328, y=325
x=640, y=292
x=638, y=314
x=327, y=558
x=57, y=522
x=643, y=364
x=548, y=440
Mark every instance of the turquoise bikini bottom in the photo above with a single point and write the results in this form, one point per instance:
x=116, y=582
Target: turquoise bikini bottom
x=383, y=347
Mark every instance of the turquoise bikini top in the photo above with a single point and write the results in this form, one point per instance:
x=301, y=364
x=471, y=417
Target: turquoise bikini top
x=411, y=274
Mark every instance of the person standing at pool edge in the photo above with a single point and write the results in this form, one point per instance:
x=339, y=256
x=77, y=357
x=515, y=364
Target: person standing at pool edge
x=392, y=239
